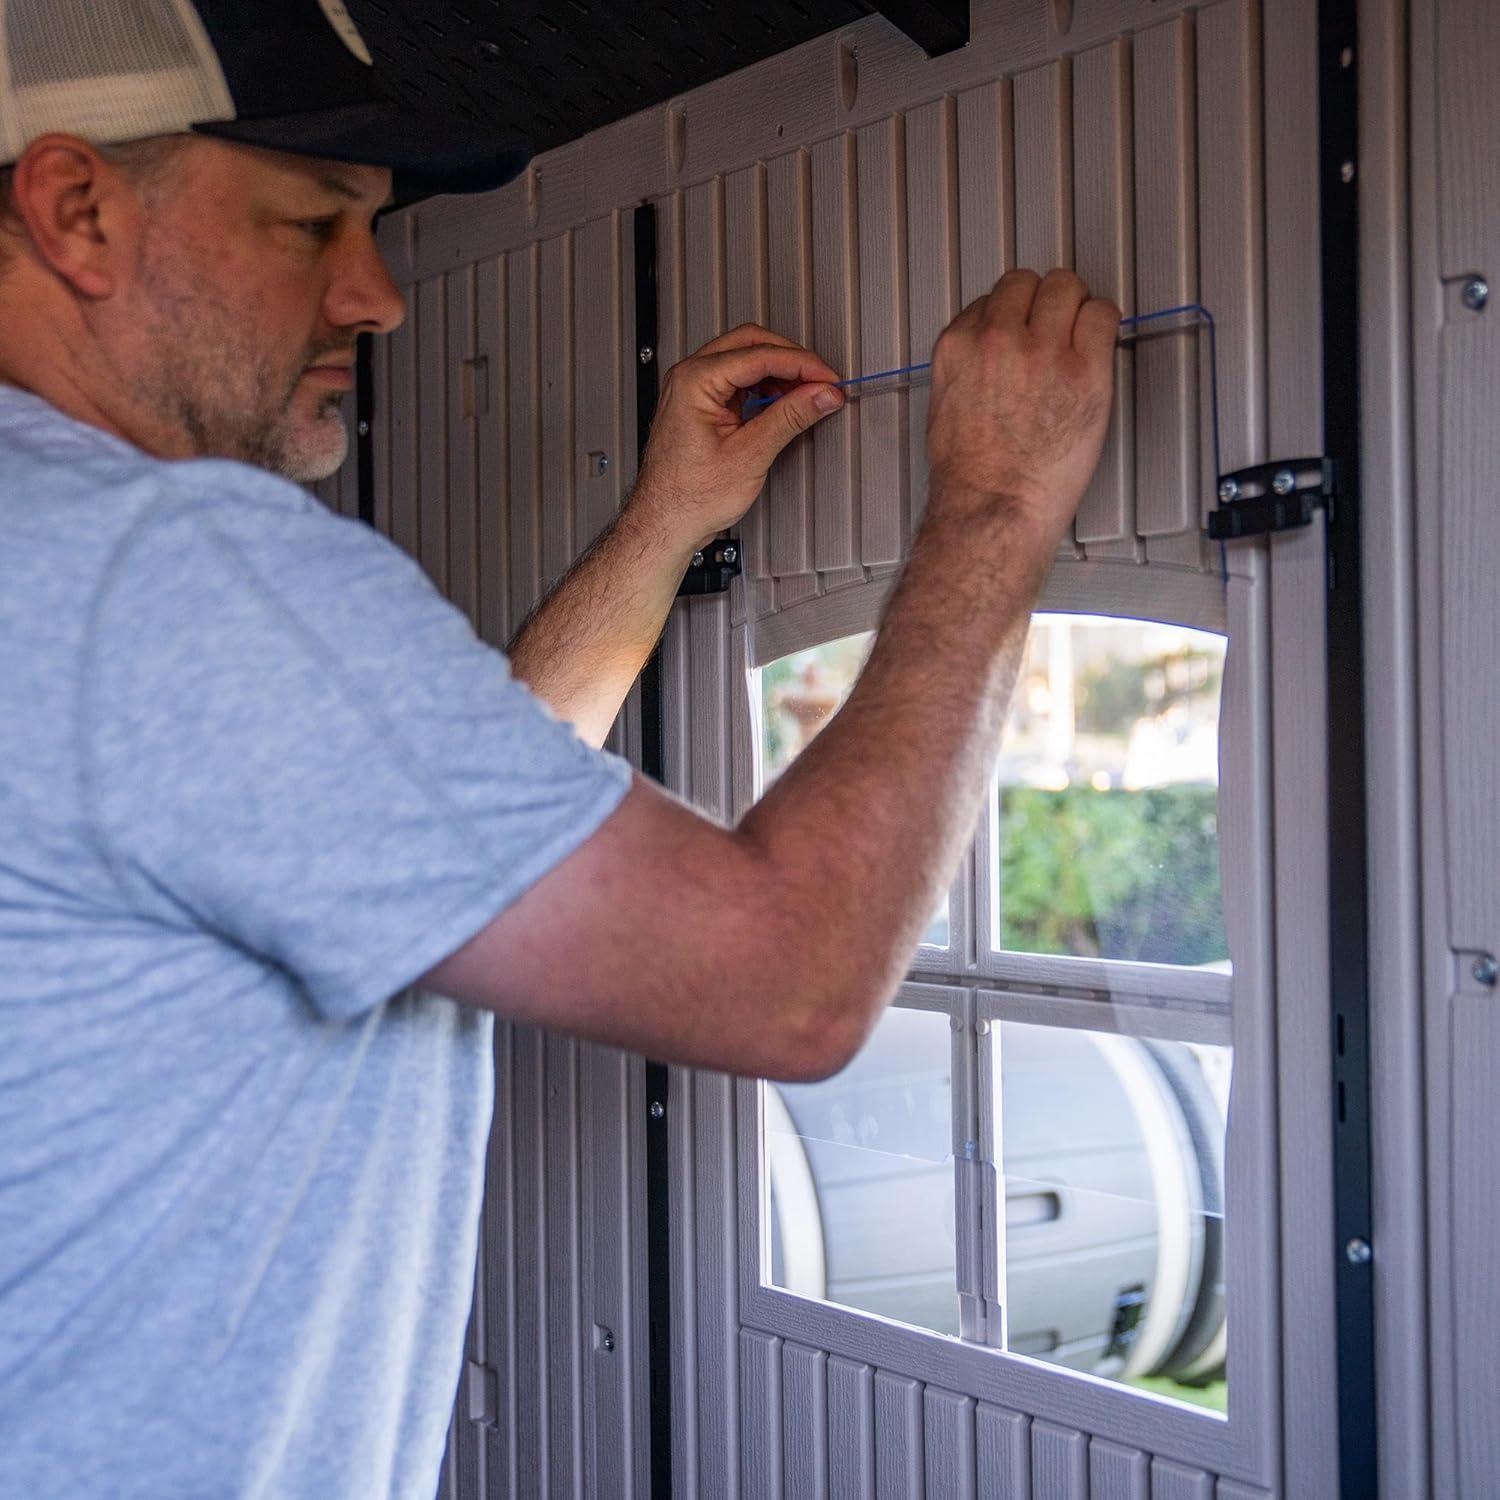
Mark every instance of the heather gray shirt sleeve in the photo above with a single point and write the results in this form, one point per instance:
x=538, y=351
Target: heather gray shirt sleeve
x=288, y=737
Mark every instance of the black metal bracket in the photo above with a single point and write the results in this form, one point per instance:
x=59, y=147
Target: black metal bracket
x=936, y=26
x=712, y=569
x=1278, y=496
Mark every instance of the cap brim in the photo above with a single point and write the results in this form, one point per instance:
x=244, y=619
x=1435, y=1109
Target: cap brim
x=426, y=155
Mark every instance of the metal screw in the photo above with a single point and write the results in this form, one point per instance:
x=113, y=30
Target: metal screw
x=363, y=429
x=1229, y=489
x=1486, y=970
x=731, y=555
x=1358, y=1252
x=658, y=1110
x=647, y=354
x=697, y=559
x=983, y=1028
x=1346, y=172
x=1346, y=58
x=1476, y=293
x=607, y=1342
x=1284, y=482
x=601, y=465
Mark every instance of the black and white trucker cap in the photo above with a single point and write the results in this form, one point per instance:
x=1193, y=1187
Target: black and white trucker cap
x=293, y=75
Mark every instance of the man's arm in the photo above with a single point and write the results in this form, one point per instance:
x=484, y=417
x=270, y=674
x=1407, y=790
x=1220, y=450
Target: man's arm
x=772, y=949
x=585, y=644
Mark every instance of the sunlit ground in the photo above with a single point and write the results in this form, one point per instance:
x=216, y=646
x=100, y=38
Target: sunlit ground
x=1213, y=1397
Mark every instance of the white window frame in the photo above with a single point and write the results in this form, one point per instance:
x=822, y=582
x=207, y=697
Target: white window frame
x=977, y=988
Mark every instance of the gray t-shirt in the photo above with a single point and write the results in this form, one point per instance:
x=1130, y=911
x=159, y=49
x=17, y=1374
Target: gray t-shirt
x=256, y=776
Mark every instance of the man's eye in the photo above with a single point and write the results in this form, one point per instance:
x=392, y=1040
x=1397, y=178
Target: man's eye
x=320, y=229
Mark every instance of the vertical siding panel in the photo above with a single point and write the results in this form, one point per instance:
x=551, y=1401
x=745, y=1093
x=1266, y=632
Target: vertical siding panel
x=760, y=1388
x=1003, y=1441
x=488, y=393
x=1166, y=369
x=804, y=1422
x=851, y=1430
x=525, y=454
x=883, y=425
x=1171, y=1481
x=789, y=312
x=932, y=260
x=533, y=1331
x=898, y=1437
x=1231, y=247
x=1059, y=1463
x=745, y=274
x=404, y=425
x=432, y=446
x=555, y=301
x=606, y=1284
x=597, y=335
x=714, y=1283
x=703, y=265
x=564, y=1377
x=1117, y=1473
x=500, y=1242
x=463, y=458
x=1102, y=233
x=986, y=188
x=1044, y=196
x=1044, y=199
x=380, y=437
x=835, y=441
x=948, y=1420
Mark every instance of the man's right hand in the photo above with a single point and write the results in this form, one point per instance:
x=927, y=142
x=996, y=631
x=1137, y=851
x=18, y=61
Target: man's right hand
x=1021, y=389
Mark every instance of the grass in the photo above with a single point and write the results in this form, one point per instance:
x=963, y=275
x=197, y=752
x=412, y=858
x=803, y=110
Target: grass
x=1213, y=1397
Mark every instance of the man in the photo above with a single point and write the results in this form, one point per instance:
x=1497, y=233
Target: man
x=270, y=809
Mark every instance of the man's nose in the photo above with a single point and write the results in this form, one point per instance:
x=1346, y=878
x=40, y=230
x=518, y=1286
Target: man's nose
x=362, y=294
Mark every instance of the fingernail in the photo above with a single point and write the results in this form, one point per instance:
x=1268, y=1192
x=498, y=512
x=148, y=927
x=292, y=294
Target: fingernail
x=827, y=400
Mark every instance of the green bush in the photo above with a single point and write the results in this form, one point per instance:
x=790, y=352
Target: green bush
x=1116, y=874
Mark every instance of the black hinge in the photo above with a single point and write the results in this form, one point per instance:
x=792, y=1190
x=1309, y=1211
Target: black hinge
x=1271, y=497
x=712, y=568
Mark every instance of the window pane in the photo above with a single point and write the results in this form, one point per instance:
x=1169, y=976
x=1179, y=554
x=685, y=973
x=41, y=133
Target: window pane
x=799, y=694
x=1112, y=1152
x=1104, y=829
x=860, y=1171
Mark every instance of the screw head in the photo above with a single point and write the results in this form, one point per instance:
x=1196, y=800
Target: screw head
x=1284, y=482
x=647, y=354
x=658, y=1110
x=607, y=1342
x=601, y=465
x=1358, y=1252
x=731, y=555
x=1229, y=489
x=363, y=428
x=697, y=559
x=1486, y=970
x=1346, y=172
x=1346, y=58
x=1476, y=293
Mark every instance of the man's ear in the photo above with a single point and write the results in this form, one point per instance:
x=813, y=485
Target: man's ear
x=69, y=199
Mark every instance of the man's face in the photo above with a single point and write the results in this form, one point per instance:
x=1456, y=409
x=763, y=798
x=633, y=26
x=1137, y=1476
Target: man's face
x=255, y=273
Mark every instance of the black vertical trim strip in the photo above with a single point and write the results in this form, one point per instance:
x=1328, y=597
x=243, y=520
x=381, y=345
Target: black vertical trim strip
x=653, y=764
x=364, y=426
x=1348, y=878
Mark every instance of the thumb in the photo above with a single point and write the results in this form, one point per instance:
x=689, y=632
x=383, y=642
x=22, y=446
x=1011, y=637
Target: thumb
x=767, y=433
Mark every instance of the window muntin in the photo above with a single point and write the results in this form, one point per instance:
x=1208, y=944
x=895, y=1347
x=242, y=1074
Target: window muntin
x=1103, y=836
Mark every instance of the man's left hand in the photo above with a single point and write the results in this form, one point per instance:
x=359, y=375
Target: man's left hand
x=705, y=464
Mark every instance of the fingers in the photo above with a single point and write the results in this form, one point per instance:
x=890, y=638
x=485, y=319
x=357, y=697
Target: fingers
x=1097, y=328
x=1058, y=300
x=740, y=369
x=1012, y=298
x=771, y=429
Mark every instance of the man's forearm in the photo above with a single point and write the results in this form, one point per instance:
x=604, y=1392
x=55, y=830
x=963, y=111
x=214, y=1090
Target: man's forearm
x=586, y=642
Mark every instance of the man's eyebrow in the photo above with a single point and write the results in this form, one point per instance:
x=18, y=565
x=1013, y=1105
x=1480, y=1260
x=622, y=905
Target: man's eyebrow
x=336, y=184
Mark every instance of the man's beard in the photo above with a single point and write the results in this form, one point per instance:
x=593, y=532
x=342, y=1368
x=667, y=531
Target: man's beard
x=205, y=375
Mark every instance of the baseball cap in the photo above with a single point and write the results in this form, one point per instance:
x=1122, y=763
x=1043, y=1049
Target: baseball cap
x=292, y=75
